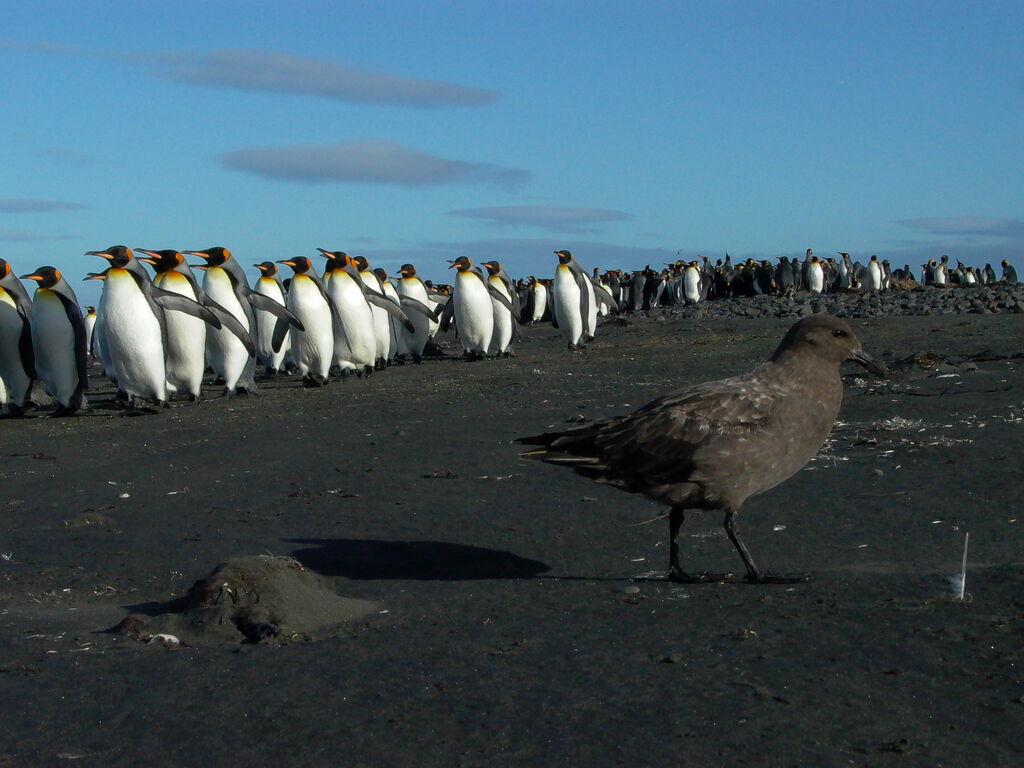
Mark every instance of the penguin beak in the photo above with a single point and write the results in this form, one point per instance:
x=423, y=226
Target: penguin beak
x=325, y=253
x=33, y=276
x=861, y=357
x=95, y=276
x=101, y=254
x=287, y=262
x=200, y=254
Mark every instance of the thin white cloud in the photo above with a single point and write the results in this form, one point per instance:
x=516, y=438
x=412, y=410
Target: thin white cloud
x=366, y=162
x=21, y=205
x=553, y=218
x=273, y=72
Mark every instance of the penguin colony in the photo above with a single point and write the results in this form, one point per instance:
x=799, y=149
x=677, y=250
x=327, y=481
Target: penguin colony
x=156, y=336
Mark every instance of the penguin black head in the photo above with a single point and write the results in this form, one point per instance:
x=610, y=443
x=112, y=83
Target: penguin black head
x=564, y=257
x=493, y=267
x=382, y=274
x=300, y=264
x=362, y=263
x=874, y=258
x=5, y=269
x=214, y=257
x=95, y=276
x=462, y=264
x=844, y=255
x=809, y=252
x=162, y=261
x=117, y=255
x=47, y=277
x=407, y=270
x=90, y=310
x=335, y=259
x=532, y=279
x=267, y=268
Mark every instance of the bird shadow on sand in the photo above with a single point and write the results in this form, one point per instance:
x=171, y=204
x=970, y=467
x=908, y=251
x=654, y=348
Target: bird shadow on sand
x=375, y=559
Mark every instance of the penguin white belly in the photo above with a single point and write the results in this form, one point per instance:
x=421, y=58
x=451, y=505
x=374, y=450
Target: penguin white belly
x=132, y=338
x=266, y=322
x=12, y=370
x=227, y=356
x=3, y=392
x=355, y=343
x=540, y=302
x=502, y=333
x=412, y=287
x=691, y=286
x=474, y=315
x=815, y=279
x=874, y=277
x=312, y=348
x=940, y=275
x=969, y=278
x=186, y=340
x=90, y=327
x=567, y=305
x=53, y=341
x=381, y=321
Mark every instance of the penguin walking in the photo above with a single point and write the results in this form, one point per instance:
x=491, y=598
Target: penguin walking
x=24, y=391
x=574, y=302
x=471, y=307
x=538, y=300
x=381, y=323
x=185, y=347
x=355, y=342
x=505, y=303
x=312, y=347
x=269, y=284
x=231, y=355
x=398, y=349
x=411, y=289
x=135, y=332
x=58, y=340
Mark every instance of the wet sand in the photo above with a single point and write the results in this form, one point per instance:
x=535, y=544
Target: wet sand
x=521, y=616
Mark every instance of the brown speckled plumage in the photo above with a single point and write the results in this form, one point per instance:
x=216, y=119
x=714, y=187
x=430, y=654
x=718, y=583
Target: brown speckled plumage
x=716, y=444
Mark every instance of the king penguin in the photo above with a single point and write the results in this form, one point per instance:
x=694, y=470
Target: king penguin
x=411, y=289
x=312, y=347
x=17, y=358
x=355, y=343
x=574, y=302
x=269, y=284
x=90, y=327
x=471, y=307
x=225, y=283
x=134, y=326
x=505, y=302
x=58, y=340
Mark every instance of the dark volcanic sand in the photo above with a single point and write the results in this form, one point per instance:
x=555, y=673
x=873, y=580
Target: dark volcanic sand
x=515, y=634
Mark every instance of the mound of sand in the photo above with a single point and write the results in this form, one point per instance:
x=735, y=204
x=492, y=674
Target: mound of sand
x=262, y=598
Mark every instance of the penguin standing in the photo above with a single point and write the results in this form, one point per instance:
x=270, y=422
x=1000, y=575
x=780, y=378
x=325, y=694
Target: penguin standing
x=873, y=275
x=312, y=347
x=185, y=351
x=134, y=326
x=472, y=309
x=1009, y=273
x=692, y=292
x=505, y=302
x=814, y=276
x=381, y=323
x=538, y=300
x=58, y=340
x=355, y=342
x=411, y=289
x=232, y=355
x=17, y=357
x=90, y=326
x=574, y=302
x=269, y=285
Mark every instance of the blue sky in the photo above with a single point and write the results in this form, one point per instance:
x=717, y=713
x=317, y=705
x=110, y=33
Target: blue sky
x=420, y=132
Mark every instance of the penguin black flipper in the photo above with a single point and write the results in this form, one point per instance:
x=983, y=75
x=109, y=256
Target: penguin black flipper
x=379, y=300
x=581, y=281
x=418, y=306
x=603, y=297
x=441, y=308
x=175, y=302
x=280, y=331
x=74, y=314
x=447, y=313
x=229, y=321
x=500, y=298
x=267, y=304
